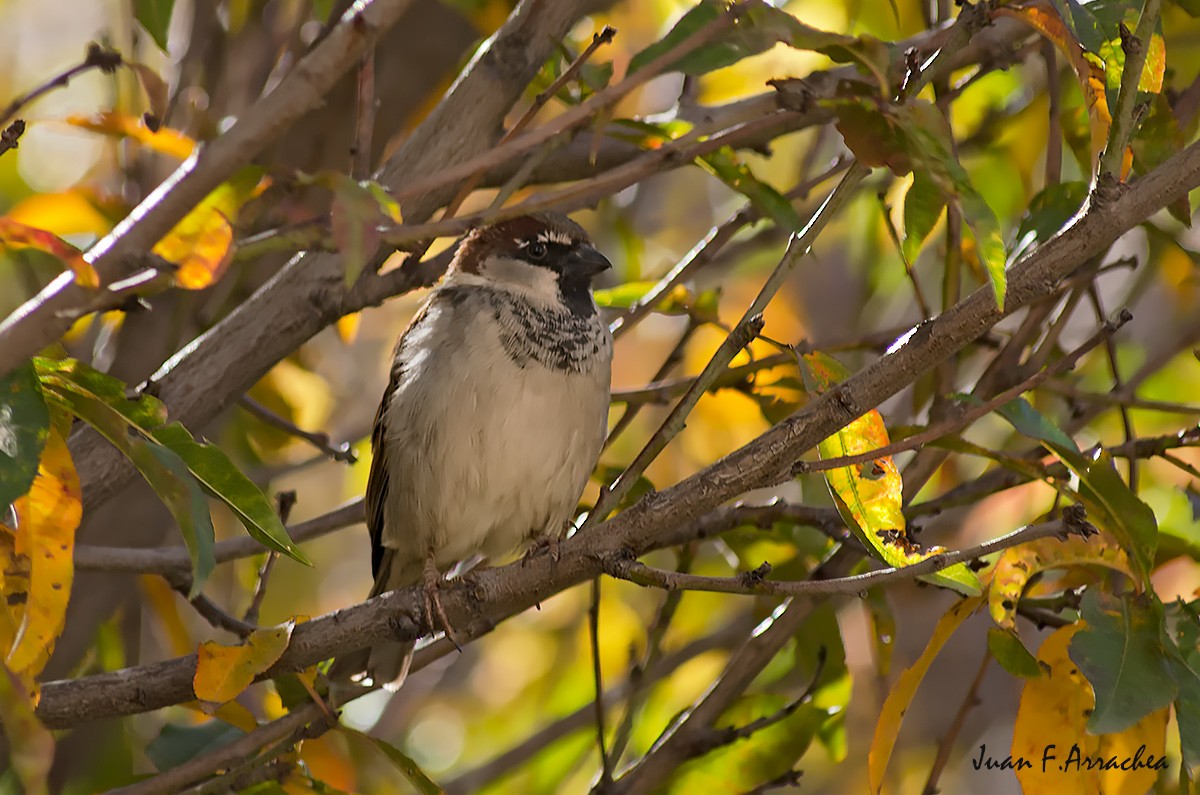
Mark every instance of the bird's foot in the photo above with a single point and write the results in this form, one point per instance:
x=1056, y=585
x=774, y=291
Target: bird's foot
x=542, y=544
x=433, y=603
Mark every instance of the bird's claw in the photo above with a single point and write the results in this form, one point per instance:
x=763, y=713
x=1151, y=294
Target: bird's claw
x=433, y=604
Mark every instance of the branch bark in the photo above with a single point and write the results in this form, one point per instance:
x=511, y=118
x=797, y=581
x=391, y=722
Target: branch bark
x=671, y=516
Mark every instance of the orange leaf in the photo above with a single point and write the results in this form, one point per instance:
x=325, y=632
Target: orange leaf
x=161, y=602
x=122, y=125
x=14, y=233
x=1089, y=68
x=46, y=520
x=223, y=672
x=901, y=695
x=347, y=327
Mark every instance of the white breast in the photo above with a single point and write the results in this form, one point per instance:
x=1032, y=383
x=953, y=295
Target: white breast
x=485, y=454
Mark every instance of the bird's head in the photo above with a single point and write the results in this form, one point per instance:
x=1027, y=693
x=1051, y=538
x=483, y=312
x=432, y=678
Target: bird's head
x=545, y=256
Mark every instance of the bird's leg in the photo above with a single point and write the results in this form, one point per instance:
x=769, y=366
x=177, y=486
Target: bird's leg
x=433, y=601
x=546, y=542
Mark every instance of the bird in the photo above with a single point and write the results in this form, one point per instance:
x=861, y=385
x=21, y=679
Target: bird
x=494, y=415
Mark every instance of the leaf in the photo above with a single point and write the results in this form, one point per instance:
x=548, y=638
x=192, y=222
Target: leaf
x=122, y=125
x=1051, y=719
x=155, y=17
x=1011, y=653
x=891, y=715
x=156, y=94
x=31, y=745
x=1089, y=68
x=175, y=745
x=225, y=481
x=402, y=762
x=205, y=462
x=1185, y=664
x=223, y=672
x=758, y=28
x=354, y=220
x=1018, y=565
x=70, y=212
x=923, y=205
x=98, y=400
x=201, y=244
x=870, y=495
x=1048, y=213
x=1146, y=741
x=1122, y=652
x=14, y=233
x=1110, y=503
x=45, y=534
x=24, y=426
x=727, y=166
x=932, y=148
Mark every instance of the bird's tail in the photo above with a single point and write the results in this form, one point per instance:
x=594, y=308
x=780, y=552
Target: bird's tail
x=386, y=663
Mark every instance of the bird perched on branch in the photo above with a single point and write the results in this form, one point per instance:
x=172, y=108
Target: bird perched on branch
x=493, y=418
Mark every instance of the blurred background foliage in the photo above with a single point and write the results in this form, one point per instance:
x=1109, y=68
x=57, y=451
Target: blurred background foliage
x=536, y=669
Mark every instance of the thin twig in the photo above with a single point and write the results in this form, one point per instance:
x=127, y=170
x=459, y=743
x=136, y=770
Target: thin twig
x=174, y=560
x=320, y=440
x=1110, y=352
x=209, y=610
x=1135, y=47
x=605, y=36
x=227, y=756
x=1120, y=398
x=886, y=210
x=364, y=127
x=598, y=678
x=10, y=138
x=747, y=328
x=285, y=500
x=632, y=408
x=95, y=57
x=940, y=429
x=946, y=743
x=624, y=568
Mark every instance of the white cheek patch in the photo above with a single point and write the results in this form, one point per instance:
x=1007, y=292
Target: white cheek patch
x=514, y=274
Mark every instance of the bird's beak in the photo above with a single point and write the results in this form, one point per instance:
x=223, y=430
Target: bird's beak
x=589, y=261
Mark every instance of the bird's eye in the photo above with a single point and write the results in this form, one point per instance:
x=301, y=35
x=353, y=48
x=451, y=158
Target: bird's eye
x=536, y=249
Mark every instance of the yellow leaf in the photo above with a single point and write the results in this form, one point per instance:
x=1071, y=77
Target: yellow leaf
x=46, y=520
x=31, y=745
x=870, y=495
x=1146, y=738
x=1052, y=717
x=902, y=692
x=67, y=213
x=201, y=244
x=122, y=125
x=234, y=713
x=162, y=602
x=222, y=672
x=329, y=760
x=14, y=571
x=347, y=327
x=1017, y=566
x=14, y=233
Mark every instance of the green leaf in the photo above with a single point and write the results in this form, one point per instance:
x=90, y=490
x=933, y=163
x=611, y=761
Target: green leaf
x=759, y=28
x=729, y=168
x=1110, y=503
x=411, y=771
x=1012, y=655
x=226, y=482
x=1185, y=664
x=175, y=745
x=24, y=426
x=354, y=220
x=1048, y=213
x=155, y=17
x=205, y=462
x=178, y=490
x=923, y=205
x=1123, y=653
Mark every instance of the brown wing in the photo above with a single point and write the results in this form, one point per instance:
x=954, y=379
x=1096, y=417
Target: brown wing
x=377, y=481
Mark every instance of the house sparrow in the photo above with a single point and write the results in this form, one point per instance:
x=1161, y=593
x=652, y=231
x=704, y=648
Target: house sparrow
x=494, y=416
